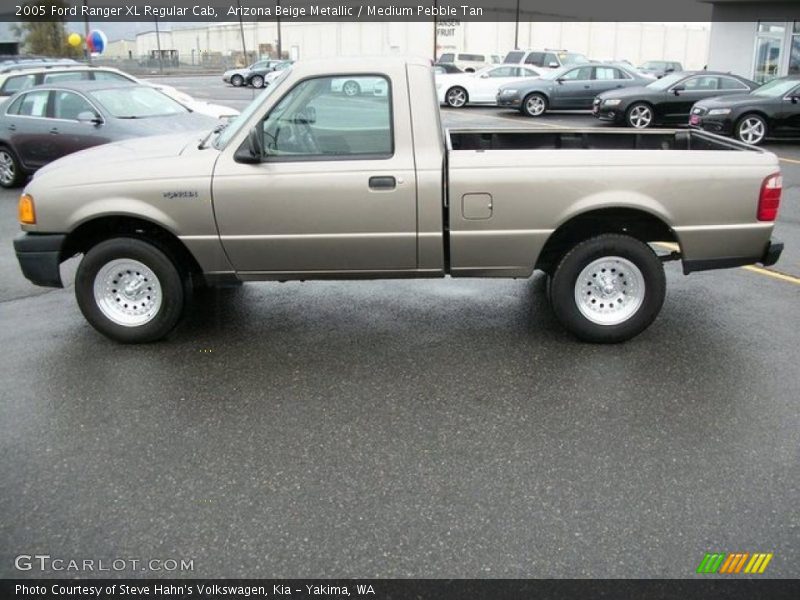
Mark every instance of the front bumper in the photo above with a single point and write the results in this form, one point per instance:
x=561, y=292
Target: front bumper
x=508, y=101
x=39, y=255
x=721, y=125
x=613, y=114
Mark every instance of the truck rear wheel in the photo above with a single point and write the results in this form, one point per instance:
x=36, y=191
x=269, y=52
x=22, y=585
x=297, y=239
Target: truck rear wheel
x=608, y=288
x=130, y=290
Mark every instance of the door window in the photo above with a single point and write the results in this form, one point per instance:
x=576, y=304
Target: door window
x=312, y=123
x=729, y=83
x=503, y=72
x=32, y=104
x=18, y=83
x=608, y=73
x=580, y=74
x=514, y=57
x=535, y=58
x=706, y=83
x=68, y=105
x=523, y=72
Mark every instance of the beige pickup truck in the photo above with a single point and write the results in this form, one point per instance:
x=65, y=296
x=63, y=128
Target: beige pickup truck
x=311, y=183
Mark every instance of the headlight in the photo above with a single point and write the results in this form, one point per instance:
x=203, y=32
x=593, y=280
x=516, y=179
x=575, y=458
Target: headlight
x=719, y=111
x=612, y=102
x=508, y=92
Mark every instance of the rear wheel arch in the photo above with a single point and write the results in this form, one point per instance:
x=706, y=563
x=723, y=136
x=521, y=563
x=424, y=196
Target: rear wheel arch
x=640, y=224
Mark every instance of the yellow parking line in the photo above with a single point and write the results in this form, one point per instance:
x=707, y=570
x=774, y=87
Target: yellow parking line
x=789, y=160
x=752, y=268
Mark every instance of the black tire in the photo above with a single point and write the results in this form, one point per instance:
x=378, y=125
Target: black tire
x=752, y=139
x=11, y=173
x=565, y=287
x=351, y=88
x=257, y=81
x=635, y=115
x=172, y=287
x=534, y=105
x=456, y=97
x=237, y=81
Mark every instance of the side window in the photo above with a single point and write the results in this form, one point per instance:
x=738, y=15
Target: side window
x=579, y=74
x=703, y=83
x=605, y=73
x=728, y=83
x=523, y=72
x=18, y=83
x=32, y=104
x=65, y=76
x=551, y=58
x=315, y=121
x=503, y=72
x=68, y=105
x=110, y=76
x=447, y=57
x=535, y=58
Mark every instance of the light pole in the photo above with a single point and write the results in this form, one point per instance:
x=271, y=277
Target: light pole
x=516, y=29
x=158, y=44
x=241, y=31
x=86, y=54
x=435, y=29
x=278, y=21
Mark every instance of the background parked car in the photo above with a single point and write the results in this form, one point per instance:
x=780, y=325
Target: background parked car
x=668, y=100
x=659, y=68
x=546, y=59
x=40, y=125
x=258, y=78
x=467, y=62
x=480, y=87
x=445, y=68
x=770, y=111
x=22, y=79
x=237, y=77
x=356, y=86
x=569, y=88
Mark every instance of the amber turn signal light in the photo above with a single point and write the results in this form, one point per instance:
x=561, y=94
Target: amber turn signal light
x=27, y=214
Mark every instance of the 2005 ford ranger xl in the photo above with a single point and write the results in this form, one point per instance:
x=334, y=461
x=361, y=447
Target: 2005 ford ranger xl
x=311, y=183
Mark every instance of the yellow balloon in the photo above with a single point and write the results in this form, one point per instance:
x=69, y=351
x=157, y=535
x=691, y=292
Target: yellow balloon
x=74, y=40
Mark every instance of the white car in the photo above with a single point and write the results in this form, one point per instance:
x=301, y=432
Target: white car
x=20, y=79
x=459, y=89
x=469, y=62
x=351, y=87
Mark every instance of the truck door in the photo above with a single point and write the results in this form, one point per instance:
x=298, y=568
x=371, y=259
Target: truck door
x=335, y=190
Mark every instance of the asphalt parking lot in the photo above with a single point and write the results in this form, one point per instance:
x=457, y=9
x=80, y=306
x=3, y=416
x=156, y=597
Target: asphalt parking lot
x=408, y=428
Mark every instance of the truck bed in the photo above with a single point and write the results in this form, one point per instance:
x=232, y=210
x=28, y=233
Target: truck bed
x=589, y=139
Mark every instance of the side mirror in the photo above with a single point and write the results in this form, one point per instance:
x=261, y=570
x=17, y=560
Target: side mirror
x=484, y=76
x=560, y=80
x=669, y=70
x=553, y=65
x=252, y=150
x=677, y=90
x=89, y=117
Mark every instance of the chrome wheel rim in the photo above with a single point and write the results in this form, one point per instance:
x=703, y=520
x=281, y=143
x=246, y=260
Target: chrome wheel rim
x=257, y=81
x=751, y=130
x=456, y=97
x=609, y=290
x=7, y=170
x=127, y=292
x=350, y=88
x=535, y=105
x=640, y=117
x=236, y=81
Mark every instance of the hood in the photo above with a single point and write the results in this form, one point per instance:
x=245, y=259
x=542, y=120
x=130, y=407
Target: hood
x=639, y=90
x=101, y=159
x=733, y=101
x=190, y=121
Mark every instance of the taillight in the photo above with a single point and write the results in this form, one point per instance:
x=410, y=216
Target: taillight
x=770, y=197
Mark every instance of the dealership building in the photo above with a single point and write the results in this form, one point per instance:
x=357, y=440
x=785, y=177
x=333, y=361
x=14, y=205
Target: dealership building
x=759, y=40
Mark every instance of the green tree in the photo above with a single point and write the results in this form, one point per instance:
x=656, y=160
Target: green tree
x=46, y=37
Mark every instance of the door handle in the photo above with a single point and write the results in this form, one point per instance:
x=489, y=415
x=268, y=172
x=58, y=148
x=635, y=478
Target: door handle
x=586, y=87
x=54, y=130
x=12, y=127
x=385, y=182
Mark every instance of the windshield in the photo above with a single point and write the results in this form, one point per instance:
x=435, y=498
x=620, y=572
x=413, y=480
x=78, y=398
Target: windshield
x=235, y=124
x=776, y=87
x=137, y=103
x=665, y=82
x=554, y=73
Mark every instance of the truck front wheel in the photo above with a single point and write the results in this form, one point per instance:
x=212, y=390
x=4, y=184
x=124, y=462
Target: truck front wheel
x=130, y=290
x=608, y=288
